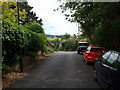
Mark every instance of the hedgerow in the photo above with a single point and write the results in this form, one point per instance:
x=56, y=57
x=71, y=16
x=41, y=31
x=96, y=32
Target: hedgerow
x=17, y=41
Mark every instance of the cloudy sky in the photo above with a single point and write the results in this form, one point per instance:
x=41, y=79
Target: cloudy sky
x=54, y=22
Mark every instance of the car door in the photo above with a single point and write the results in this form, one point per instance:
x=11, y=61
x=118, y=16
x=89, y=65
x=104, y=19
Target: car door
x=99, y=65
x=114, y=72
x=108, y=69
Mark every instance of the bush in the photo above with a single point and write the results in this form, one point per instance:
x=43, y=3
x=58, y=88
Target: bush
x=14, y=39
x=6, y=69
x=18, y=41
x=36, y=42
x=49, y=50
x=35, y=27
x=69, y=45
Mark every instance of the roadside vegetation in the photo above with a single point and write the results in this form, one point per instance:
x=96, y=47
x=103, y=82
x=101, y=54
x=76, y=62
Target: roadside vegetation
x=24, y=39
x=100, y=21
x=66, y=42
x=23, y=34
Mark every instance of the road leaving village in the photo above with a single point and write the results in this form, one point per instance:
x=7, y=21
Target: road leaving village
x=60, y=70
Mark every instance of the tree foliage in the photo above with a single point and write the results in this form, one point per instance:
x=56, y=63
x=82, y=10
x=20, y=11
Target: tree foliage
x=35, y=27
x=31, y=16
x=9, y=10
x=70, y=44
x=66, y=36
x=99, y=21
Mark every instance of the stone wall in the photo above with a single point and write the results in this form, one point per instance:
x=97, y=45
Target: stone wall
x=27, y=62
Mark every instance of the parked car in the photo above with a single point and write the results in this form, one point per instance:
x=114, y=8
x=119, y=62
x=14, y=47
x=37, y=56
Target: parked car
x=82, y=46
x=92, y=53
x=107, y=70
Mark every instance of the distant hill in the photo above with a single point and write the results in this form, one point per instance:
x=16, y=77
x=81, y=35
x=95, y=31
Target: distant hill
x=48, y=35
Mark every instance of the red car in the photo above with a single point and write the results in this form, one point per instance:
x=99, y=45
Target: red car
x=92, y=53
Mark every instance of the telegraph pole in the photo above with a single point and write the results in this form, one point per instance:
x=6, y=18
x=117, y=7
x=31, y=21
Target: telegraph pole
x=78, y=32
x=20, y=49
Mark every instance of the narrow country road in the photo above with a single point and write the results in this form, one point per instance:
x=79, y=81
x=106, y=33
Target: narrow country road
x=60, y=70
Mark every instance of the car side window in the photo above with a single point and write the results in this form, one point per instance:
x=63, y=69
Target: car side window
x=112, y=60
x=112, y=57
x=105, y=56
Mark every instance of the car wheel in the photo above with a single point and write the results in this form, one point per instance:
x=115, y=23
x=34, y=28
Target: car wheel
x=78, y=52
x=95, y=74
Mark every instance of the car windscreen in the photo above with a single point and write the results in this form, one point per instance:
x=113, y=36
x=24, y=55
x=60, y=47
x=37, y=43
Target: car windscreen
x=83, y=44
x=97, y=50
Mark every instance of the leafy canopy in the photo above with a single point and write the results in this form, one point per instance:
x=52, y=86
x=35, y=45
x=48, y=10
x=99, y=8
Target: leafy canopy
x=9, y=10
x=99, y=21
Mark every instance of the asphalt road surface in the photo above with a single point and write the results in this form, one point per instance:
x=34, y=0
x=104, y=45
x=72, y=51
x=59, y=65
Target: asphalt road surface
x=60, y=70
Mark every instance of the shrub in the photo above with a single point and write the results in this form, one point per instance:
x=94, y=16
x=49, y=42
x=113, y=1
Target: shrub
x=49, y=50
x=69, y=45
x=18, y=41
x=35, y=27
x=6, y=69
x=14, y=39
x=36, y=42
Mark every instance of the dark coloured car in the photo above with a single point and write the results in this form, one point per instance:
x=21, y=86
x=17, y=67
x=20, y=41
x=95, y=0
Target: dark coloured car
x=82, y=47
x=107, y=70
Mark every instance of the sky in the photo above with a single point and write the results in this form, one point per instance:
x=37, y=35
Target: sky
x=54, y=22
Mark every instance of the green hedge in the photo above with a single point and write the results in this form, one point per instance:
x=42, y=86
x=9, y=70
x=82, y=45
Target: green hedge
x=18, y=41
